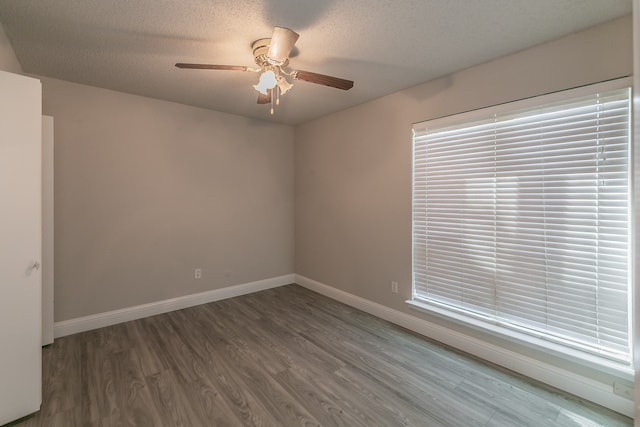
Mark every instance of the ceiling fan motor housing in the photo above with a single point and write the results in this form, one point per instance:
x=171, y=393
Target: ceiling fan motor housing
x=260, y=50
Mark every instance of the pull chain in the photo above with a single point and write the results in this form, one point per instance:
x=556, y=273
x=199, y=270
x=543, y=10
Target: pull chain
x=272, y=99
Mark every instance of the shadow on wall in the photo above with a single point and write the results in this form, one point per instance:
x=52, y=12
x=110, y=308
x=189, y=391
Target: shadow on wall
x=428, y=90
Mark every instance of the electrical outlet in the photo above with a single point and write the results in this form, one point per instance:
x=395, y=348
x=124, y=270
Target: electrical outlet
x=198, y=273
x=623, y=390
x=394, y=287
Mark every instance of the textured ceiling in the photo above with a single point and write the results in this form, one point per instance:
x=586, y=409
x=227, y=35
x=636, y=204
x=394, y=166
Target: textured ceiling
x=383, y=45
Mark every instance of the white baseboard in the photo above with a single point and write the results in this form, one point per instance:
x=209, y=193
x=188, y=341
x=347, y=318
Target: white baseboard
x=88, y=323
x=570, y=382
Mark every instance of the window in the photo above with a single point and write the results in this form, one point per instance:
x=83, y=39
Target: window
x=521, y=218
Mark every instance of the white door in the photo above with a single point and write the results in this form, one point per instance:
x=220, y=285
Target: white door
x=20, y=246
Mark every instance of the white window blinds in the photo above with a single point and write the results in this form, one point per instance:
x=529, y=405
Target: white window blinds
x=520, y=218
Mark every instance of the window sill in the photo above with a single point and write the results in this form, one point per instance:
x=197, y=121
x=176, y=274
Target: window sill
x=601, y=364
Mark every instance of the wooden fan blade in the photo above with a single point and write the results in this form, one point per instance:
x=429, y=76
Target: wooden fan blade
x=212, y=67
x=264, y=99
x=322, y=79
x=282, y=42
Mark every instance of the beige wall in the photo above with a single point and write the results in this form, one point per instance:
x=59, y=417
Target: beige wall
x=353, y=168
x=8, y=60
x=146, y=191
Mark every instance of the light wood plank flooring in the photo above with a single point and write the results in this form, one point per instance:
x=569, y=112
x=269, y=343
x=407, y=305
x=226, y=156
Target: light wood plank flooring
x=285, y=357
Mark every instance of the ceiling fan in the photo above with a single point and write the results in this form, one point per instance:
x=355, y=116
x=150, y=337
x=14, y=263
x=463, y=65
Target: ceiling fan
x=272, y=56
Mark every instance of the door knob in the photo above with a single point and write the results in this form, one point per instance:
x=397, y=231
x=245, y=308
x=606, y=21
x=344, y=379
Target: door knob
x=33, y=266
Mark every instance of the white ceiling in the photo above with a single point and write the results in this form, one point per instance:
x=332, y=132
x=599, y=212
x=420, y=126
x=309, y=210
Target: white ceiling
x=383, y=45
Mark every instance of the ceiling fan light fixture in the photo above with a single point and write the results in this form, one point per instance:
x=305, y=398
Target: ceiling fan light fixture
x=284, y=85
x=267, y=81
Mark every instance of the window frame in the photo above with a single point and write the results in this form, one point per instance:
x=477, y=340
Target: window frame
x=512, y=334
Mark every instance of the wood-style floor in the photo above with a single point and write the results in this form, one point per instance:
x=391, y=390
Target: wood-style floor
x=285, y=357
